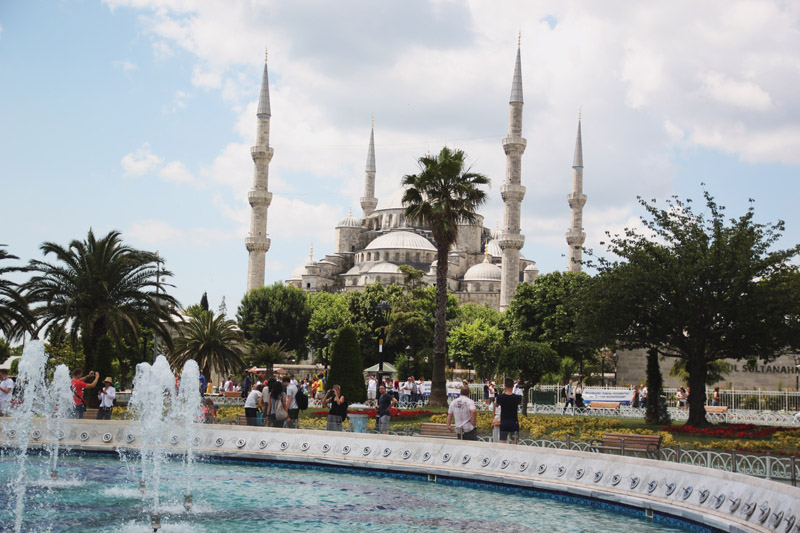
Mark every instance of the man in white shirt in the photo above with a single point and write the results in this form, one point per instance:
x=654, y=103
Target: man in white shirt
x=372, y=390
x=465, y=414
x=6, y=387
x=106, y=397
x=405, y=393
x=291, y=401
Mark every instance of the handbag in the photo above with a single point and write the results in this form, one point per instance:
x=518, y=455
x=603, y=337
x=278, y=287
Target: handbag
x=280, y=411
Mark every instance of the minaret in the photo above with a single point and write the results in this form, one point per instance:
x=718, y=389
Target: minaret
x=576, y=201
x=257, y=242
x=368, y=201
x=512, y=191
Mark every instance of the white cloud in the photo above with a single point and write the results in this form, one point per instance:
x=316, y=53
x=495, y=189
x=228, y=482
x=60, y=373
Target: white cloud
x=125, y=65
x=153, y=233
x=140, y=162
x=744, y=94
x=177, y=172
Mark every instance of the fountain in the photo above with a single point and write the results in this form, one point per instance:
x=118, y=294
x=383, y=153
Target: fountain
x=59, y=409
x=186, y=412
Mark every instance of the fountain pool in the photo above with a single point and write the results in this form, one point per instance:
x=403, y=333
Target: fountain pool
x=100, y=493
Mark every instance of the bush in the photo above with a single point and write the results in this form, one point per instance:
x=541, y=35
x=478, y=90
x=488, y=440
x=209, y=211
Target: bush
x=347, y=367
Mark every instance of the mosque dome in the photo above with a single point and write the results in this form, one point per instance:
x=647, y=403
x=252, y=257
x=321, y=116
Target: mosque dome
x=483, y=272
x=349, y=222
x=495, y=233
x=432, y=271
x=297, y=273
x=393, y=201
x=384, y=268
x=531, y=268
x=401, y=240
x=356, y=270
x=493, y=247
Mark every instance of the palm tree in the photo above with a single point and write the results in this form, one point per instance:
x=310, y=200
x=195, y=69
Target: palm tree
x=15, y=316
x=443, y=195
x=100, y=289
x=213, y=341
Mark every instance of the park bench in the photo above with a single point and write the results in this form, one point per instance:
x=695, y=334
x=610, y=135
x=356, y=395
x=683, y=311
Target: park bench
x=623, y=442
x=604, y=405
x=90, y=414
x=439, y=431
x=717, y=409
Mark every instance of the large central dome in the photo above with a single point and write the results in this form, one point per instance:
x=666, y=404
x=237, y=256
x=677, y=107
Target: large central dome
x=401, y=240
x=393, y=201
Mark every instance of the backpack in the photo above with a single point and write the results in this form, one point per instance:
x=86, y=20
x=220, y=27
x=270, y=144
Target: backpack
x=301, y=399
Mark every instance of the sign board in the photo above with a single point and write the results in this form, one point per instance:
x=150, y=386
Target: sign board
x=453, y=388
x=624, y=397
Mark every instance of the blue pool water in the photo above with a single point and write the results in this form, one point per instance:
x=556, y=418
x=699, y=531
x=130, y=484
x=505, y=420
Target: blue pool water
x=102, y=494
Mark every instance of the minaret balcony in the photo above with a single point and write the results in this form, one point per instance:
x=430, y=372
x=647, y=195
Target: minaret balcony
x=576, y=238
x=514, y=145
x=513, y=241
x=576, y=200
x=259, y=152
x=511, y=192
x=259, y=198
x=257, y=244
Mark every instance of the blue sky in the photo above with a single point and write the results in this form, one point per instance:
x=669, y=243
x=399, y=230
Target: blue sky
x=138, y=115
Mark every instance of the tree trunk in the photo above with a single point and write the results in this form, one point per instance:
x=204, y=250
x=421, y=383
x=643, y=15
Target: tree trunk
x=438, y=383
x=696, y=366
x=525, y=395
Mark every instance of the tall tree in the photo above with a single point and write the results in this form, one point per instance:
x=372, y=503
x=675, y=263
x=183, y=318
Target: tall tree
x=213, y=341
x=275, y=314
x=204, y=301
x=444, y=194
x=656, y=404
x=347, y=367
x=477, y=343
x=100, y=287
x=699, y=287
x=530, y=361
x=15, y=316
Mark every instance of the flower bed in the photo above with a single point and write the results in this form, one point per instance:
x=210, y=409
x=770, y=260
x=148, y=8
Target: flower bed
x=731, y=431
x=372, y=413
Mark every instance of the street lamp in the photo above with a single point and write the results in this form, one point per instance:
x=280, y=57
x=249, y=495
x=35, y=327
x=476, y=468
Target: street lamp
x=327, y=338
x=603, y=354
x=384, y=309
x=615, y=357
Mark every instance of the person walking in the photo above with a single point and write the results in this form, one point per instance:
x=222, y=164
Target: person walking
x=569, y=397
x=385, y=404
x=338, y=409
x=247, y=384
x=508, y=403
x=466, y=416
x=6, y=388
x=106, y=397
x=78, y=386
x=254, y=402
x=579, y=395
x=277, y=407
x=372, y=390
x=291, y=400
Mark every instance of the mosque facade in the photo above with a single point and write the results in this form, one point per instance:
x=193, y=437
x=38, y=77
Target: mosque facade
x=485, y=265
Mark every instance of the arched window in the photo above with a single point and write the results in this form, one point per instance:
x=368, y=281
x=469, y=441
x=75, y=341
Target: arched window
x=417, y=257
x=397, y=256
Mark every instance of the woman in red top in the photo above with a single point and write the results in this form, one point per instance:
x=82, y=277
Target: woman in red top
x=78, y=386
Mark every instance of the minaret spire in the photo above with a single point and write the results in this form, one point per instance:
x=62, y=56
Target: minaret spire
x=512, y=191
x=257, y=242
x=368, y=201
x=576, y=200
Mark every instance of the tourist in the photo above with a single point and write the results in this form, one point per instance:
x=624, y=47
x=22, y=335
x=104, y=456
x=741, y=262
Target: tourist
x=202, y=385
x=385, y=403
x=106, y=397
x=338, y=408
x=6, y=388
x=78, y=386
x=209, y=411
x=643, y=395
x=466, y=416
x=569, y=397
x=405, y=393
x=680, y=396
x=715, y=397
x=508, y=403
x=277, y=407
x=372, y=390
x=247, y=384
x=486, y=392
x=635, y=400
x=414, y=390
x=291, y=402
x=579, y=395
x=254, y=402
x=396, y=389
x=492, y=394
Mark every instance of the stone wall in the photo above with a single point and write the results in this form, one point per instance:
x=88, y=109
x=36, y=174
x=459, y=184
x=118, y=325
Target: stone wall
x=777, y=375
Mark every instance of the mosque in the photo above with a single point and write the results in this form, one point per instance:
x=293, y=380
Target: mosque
x=485, y=265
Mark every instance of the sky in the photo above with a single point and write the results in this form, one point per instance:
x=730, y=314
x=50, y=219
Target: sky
x=138, y=115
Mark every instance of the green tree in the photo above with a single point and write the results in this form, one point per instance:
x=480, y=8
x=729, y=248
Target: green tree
x=656, y=404
x=15, y=316
x=715, y=371
x=476, y=343
x=212, y=341
x=347, y=367
x=444, y=194
x=530, y=361
x=547, y=311
x=97, y=288
x=277, y=313
x=268, y=355
x=470, y=312
x=698, y=287
x=329, y=313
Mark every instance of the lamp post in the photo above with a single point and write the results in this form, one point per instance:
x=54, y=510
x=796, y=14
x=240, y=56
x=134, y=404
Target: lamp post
x=384, y=309
x=616, y=360
x=327, y=338
x=603, y=354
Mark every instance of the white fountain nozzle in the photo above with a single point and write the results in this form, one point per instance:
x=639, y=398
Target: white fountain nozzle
x=187, y=501
x=155, y=521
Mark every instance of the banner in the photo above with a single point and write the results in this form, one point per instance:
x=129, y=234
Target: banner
x=624, y=397
x=453, y=388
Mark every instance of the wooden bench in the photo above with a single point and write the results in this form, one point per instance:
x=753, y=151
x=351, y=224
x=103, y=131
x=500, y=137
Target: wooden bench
x=717, y=409
x=604, y=405
x=90, y=414
x=439, y=431
x=623, y=442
